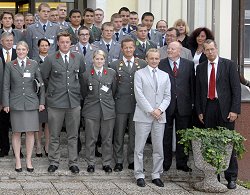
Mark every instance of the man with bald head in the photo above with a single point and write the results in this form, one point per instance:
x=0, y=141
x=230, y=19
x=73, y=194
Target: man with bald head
x=172, y=34
x=181, y=74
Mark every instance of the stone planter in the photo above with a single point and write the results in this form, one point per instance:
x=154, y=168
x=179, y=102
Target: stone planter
x=210, y=182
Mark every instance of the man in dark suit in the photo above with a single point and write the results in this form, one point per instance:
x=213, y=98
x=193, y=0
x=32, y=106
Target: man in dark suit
x=142, y=44
x=125, y=102
x=7, y=53
x=61, y=72
x=218, y=97
x=181, y=73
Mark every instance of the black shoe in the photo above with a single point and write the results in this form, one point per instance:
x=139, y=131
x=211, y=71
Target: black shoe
x=74, y=169
x=30, y=169
x=118, y=167
x=141, y=182
x=131, y=166
x=18, y=170
x=52, y=168
x=3, y=154
x=158, y=182
x=46, y=153
x=39, y=155
x=91, y=168
x=184, y=168
x=97, y=153
x=107, y=169
x=231, y=185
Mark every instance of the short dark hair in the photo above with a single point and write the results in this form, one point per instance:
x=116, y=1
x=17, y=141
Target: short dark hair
x=208, y=41
x=123, y=9
x=106, y=24
x=176, y=30
x=133, y=13
x=115, y=15
x=147, y=14
x=161, y=21
x=42, y=39
x=141, y=25
x=63, y=34
x=44, y=5
x=74, y=11
x=126, y=40
x=88, y=10
x=9, y=13
x=83, y=28
x=192, y=39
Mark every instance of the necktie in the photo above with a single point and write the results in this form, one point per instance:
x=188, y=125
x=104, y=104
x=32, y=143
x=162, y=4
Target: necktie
x=163, y=40
x=129, y=66
x=7, y=56
x=117, y=36
x=175, y=69
x=76, y=32
x=143, y=46
x=124, y=29
x=84, y=50
x=149, y=36
x=66, y=61
x=22, y=65
x=44, y=27
x=108, y=48
x=154, y=79
x=211, y=89
x=99, y=75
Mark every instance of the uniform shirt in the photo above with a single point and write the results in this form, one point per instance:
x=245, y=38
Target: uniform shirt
x=63, y=56
x=5, y=54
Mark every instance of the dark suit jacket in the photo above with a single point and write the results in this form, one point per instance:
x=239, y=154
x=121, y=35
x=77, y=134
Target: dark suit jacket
x=227, y=86
x=182, y=87
x=1, y=80
x=140, y=52
x=14, y=56
x=202, y=58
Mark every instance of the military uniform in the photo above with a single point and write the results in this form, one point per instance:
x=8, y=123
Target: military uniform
x=36, y=32
x=95, y=34
x=99, y=112
x=125, y=107
x=140, y=52
x=114, y=53
x=122, y=35
x=63, y=101
x=90, y=49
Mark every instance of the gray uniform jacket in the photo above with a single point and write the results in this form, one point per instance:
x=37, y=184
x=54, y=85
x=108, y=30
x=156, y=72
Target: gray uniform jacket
x=62, y=82
x=124, y=96
x=185, y=53
x=114, y=53
x=140, y=52
x=18, y=88
x=36, y=32
x=88, y=58
x=98, y=94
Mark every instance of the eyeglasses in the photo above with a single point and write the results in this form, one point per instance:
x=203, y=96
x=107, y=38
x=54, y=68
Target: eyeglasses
x=84, y=35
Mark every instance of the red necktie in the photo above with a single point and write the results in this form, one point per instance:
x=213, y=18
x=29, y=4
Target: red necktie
x=175, y=69
x=212, y=81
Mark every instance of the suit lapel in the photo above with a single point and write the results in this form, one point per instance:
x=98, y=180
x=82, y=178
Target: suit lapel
x=219, y=69
x=60, y=60
x=17, y=67
x=149, y=77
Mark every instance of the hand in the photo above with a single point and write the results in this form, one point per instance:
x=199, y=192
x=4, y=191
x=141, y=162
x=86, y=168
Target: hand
x=232, y=116
x=41, y=108
x=6, y=109
x=156, y=114
x=201, y=118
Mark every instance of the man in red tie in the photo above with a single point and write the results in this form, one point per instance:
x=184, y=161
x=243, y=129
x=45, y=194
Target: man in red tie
x=218, y=97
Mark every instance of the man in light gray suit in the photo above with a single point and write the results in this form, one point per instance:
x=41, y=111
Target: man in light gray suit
x=42, y=29
x=61, y=72
x=106, y=44
x=172, y=35
x=152, y=93
x=84, y=47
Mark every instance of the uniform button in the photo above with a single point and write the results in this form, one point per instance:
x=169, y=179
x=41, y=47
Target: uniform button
x=23, y=87
x=68, y=77
x=68, y=83
x=23, y=93
x=130, y=76
x=68, y=89
x=131, y=94
x=100, y=99
x=100, y=94
x=131, y=88
x=67, y=71
x=23, y=82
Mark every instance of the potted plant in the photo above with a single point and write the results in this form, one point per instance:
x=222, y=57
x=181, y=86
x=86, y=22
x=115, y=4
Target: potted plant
x=212, y=150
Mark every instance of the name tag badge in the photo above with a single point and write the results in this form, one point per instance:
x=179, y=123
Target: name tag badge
x=51, y=41
x=26, y=75
x=104, y=88
x=90, y=87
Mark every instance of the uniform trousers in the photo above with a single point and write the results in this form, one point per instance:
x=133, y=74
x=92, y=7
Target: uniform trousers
x=212, y=119
x=121, y=122
x=56, y=118
x=92, y=129
x=142, y=131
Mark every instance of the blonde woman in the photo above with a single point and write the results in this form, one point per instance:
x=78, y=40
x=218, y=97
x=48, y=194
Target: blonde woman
x=21, y=100
x=183, y=28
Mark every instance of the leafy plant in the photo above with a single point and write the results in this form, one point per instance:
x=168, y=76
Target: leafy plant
x=213, y=143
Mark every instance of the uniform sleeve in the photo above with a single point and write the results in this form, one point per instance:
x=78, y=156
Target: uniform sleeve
x=6, y=86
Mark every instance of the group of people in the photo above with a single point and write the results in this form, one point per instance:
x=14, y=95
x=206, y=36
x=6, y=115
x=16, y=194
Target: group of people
x=117, y=75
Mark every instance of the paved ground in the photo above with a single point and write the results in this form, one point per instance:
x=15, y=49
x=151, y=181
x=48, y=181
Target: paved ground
x=63, y=182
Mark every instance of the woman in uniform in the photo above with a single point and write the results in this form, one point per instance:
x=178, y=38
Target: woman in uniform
x=22, y=101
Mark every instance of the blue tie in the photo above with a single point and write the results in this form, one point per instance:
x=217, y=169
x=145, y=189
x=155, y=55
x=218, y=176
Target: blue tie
x=108, y=48
x=44, y=27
